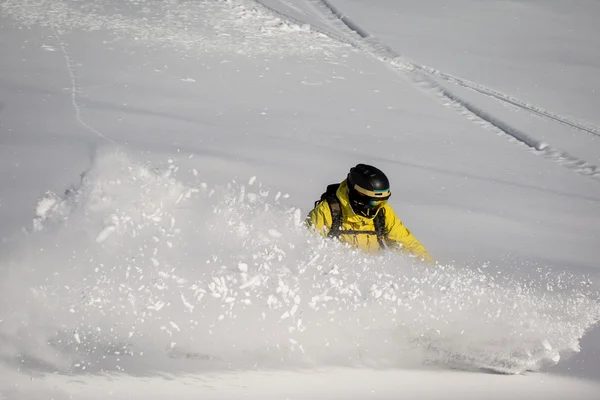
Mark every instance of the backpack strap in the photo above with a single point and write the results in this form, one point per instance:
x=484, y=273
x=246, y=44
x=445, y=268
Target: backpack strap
x=336, y=216
x=336, y=223
x=379, y=222
x=331, y=191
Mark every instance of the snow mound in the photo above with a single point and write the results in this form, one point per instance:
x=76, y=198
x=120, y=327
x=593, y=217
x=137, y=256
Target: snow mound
x=136, y=270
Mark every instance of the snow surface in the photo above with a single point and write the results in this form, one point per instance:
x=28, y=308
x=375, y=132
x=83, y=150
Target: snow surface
x=158, y=159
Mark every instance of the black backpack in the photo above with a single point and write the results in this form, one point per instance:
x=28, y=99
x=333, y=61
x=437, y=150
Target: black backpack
x=336, y=217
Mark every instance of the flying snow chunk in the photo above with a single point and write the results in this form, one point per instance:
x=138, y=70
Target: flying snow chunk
x=46, y=204
x=105, y=233
x=275, y=233
x=157, y=306
x=254, y=281
x=298, y=219
x=44, y=209
x=252, y=180
x=187, y=305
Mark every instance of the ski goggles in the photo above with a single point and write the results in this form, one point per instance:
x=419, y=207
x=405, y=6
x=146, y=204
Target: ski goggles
x=376, y=203
x=372, y=198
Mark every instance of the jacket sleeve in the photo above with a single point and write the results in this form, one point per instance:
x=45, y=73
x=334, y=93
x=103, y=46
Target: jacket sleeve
x=319, y=219
x=400, y=237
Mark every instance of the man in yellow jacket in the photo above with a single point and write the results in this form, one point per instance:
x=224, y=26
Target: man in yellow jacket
x=356, y=212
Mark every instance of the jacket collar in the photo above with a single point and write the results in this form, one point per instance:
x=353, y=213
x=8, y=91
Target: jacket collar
x=342, y=195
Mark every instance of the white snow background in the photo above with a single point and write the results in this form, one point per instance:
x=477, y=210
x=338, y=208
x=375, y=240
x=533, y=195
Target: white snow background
x=158, y=159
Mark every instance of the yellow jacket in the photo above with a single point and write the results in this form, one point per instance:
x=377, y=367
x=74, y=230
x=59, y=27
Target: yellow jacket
x=398, y=236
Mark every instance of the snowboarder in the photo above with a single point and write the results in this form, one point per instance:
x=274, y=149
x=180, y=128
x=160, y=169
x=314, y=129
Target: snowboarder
x=356, y=212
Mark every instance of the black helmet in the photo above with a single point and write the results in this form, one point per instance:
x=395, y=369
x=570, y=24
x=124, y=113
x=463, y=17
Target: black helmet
x=368, y=190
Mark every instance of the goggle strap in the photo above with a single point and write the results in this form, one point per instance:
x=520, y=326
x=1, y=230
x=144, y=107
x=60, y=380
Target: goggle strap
x=372, y=193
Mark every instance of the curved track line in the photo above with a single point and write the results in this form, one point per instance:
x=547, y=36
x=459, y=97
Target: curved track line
x=75, y=89
x=343, y=29
x=585, y=127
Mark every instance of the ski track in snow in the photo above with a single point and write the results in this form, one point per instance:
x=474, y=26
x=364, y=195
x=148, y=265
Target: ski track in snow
x=76, y=90
x=343, y=29
x=221, y=27
x=236, y=26
x=584, y=127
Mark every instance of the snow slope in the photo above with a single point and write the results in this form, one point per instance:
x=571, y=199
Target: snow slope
x=158, y=159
